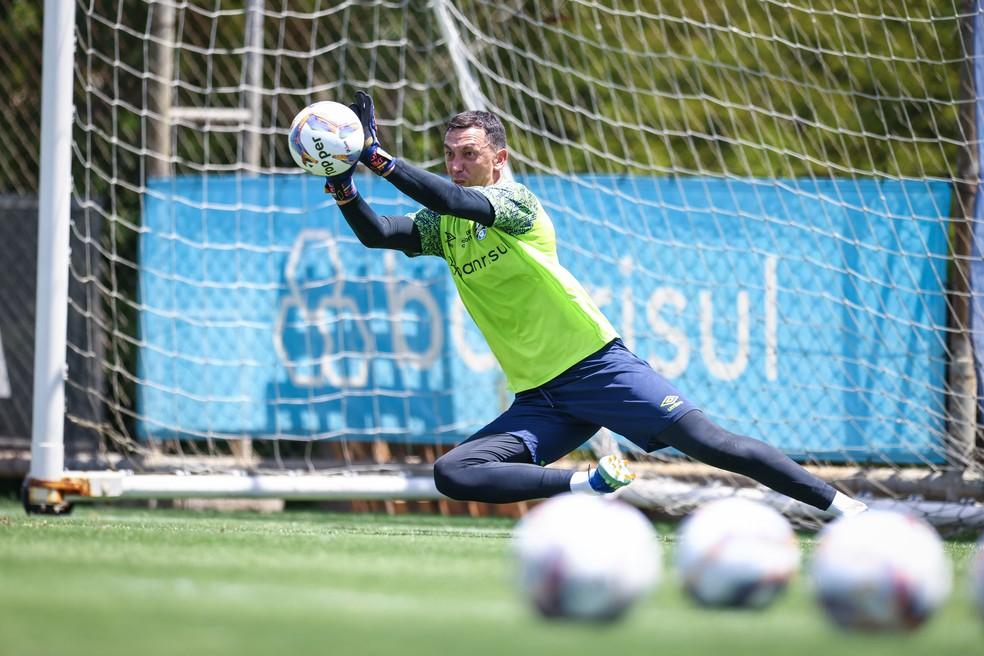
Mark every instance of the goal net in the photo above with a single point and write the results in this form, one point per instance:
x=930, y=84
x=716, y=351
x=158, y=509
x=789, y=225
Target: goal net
x=771, y=201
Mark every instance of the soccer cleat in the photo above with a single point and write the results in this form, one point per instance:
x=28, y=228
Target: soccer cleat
x=845, y=506
x=855, y=509
x=611, y=473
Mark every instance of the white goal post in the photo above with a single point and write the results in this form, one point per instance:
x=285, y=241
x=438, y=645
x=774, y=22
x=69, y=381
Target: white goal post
x=774, y=202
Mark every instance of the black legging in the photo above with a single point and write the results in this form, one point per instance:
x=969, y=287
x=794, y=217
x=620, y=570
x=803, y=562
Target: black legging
x=496, y=469
x=500, y=469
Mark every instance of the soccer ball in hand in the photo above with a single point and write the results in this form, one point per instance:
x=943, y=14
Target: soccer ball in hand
x=584, y=557
x=736, y=553
x=880, y=570
x=326, y=138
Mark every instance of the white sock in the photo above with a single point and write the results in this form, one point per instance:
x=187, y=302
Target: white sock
x=845, y=506
x=580, y=484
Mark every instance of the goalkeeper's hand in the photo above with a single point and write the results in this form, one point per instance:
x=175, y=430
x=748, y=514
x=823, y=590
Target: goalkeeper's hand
x=342, y=187
x=378, y=160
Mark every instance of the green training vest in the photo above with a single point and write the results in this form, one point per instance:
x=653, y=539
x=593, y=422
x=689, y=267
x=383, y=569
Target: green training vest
x=537, y=319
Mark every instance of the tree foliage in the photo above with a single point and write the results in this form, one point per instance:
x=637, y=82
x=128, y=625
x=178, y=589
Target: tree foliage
x=753, y=87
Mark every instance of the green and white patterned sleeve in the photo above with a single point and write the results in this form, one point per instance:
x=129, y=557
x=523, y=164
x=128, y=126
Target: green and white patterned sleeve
x=515, y=207
x=429, y=224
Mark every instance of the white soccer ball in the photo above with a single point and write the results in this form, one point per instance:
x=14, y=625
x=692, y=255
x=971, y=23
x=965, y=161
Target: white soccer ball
x=880, y=570
x=584, y=557
x=326, y=138
x=977, y=576
x=736, y=553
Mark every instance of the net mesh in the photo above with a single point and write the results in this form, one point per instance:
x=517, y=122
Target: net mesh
x=758, y=194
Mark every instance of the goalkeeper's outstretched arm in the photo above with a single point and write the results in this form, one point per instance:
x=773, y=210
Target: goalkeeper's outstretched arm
x=394, y=232
x=400, y=232
x=441, y=195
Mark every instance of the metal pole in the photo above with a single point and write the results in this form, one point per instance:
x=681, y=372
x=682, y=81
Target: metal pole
x=468, y=86
x=54, y=207
x=160, y=97
x=961, y=376
x=253, y=82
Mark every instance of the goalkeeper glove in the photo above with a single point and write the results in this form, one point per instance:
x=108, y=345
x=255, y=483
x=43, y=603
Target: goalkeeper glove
x=378, y=160
x=342, y=187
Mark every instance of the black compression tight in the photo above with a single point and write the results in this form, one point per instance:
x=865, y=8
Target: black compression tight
x=499, y=469
x=702, y=439
x=496, y=469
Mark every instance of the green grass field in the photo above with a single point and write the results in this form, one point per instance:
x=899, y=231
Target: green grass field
x=112, y=580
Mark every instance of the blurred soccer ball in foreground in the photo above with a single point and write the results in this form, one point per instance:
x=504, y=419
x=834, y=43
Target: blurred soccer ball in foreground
x=880, y=570
x=736, y=553
x=585, y=557
x=977, y=576
x=326, y=138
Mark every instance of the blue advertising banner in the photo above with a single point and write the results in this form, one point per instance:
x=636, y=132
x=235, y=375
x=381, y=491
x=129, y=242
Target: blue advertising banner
x=804, y=312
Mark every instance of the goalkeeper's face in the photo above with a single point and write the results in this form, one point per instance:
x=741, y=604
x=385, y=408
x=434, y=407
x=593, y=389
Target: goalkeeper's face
x=471, y=160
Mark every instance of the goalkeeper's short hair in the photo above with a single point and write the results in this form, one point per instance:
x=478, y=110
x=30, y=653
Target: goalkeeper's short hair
x=477, y=119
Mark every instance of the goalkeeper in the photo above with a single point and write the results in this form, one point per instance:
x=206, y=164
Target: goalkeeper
x=566, y=364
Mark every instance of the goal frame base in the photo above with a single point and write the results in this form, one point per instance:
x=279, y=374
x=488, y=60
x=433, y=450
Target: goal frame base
x=57, y=496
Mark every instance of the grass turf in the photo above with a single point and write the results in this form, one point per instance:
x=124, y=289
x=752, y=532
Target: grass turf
x=113, y=580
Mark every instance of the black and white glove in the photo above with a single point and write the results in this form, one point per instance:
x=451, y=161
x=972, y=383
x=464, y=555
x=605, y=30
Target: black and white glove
x=378, y=160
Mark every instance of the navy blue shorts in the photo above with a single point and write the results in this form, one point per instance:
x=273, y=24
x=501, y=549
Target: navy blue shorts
x=611, y=388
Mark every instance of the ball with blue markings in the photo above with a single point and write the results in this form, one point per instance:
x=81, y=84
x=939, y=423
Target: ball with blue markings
x=326, y=138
